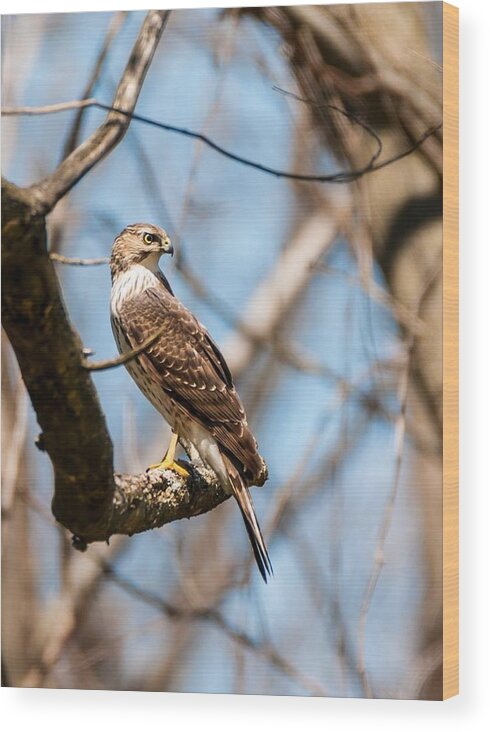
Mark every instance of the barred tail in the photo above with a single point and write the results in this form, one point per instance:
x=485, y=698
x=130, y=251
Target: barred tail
x=244, y=500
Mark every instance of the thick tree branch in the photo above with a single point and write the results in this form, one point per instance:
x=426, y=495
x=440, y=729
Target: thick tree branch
x=78, y=261
x=155, y=498
x=88, y=500
x=49, y=355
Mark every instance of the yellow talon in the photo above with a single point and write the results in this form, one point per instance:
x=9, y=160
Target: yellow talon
x=168, y=462
x=170, y=465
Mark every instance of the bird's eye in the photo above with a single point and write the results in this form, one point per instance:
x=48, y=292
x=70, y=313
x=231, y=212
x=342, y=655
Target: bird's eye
x=148, y=238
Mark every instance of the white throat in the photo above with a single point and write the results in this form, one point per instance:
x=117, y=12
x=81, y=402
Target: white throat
x=134, y=281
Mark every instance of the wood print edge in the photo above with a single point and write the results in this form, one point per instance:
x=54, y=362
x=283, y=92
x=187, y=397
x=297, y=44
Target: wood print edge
x=450, y=499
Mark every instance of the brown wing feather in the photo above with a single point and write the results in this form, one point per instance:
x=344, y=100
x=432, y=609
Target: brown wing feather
x=188, y=365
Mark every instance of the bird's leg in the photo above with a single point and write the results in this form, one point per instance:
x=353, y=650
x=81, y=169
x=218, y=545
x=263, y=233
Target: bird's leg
x=168, y=461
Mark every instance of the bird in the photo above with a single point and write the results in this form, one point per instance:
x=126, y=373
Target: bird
x=183, y=374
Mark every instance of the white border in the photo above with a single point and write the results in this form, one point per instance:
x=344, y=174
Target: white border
x=80, y=710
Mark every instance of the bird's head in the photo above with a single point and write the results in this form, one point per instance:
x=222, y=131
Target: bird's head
x=139, y=244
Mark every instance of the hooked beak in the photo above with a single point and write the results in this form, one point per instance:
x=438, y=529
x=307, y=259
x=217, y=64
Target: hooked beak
x=168, y=248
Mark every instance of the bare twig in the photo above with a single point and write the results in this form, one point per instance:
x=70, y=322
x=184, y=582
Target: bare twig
x=346, y=176
x=48, y=108
x=348, y=115
x=49, y=191
x=124, y=358
x=78, y=261
x=115, y=24
x=385, y=525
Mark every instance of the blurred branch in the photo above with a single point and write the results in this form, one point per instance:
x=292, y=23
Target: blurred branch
x=400, y=312
x=78, y=261
x=279, y=291
x=56, y=626
x=13, y=450
x=19, y=575
x=48, y=108
x=348, y=115
x=60, y=620
x=115, y=24
x=344, y=54
x=228, y=32
x=216, y=618
x=379, y=557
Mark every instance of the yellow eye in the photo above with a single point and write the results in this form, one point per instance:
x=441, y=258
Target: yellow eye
x=148, y=238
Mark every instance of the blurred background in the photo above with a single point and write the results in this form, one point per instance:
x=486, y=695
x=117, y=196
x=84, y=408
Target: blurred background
x=326, y=300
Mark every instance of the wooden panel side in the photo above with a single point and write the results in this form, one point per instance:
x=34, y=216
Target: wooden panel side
x=450, y=352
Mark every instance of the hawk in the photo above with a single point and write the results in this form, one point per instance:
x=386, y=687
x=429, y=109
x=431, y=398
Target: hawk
x=183, y=374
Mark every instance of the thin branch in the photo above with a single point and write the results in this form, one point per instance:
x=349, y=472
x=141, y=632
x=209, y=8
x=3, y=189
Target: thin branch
x=348, y=115
x=400, y=312
x=48, y=108
x=78, y=261
x=379, y=559
x=115, y=25
x=49, y=191
x=57, y=627
x=124, y=358
x=347, y=176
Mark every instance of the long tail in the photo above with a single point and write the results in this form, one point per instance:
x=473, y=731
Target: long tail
x=244, y=500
